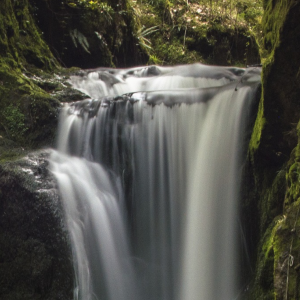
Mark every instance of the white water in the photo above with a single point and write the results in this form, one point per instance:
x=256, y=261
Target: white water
x=150, y=181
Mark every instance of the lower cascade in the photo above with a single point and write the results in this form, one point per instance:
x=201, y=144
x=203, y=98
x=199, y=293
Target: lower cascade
x=149, y=171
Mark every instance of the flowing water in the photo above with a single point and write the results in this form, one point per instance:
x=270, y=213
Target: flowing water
x=149, y=172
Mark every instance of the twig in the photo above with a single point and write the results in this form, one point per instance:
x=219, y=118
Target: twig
x=184, y=37
x=288, y=271
x=289, y=257
x=6, y=130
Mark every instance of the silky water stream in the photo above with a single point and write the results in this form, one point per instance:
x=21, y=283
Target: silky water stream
x=149, y=173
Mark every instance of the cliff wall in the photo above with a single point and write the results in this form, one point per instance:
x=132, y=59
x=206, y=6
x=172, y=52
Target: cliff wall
x=272, y=174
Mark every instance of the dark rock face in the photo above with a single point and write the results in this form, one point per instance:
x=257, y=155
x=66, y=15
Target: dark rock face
x=281, y=76
x=280, y=107
x=231, y=46
x=89, y=38
x=35, y=257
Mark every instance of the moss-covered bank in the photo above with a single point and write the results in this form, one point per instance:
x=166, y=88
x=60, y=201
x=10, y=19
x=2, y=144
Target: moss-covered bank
x=272, y=196
x=27, y=112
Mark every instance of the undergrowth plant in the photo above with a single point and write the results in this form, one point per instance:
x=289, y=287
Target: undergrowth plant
x=105, y=9
x=195, y=27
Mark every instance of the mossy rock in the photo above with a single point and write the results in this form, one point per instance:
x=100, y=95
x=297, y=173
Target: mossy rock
x=20, y=39
x=28, y=113
x=274, y=148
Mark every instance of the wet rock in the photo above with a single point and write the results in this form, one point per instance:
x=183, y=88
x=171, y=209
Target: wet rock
x=69, y=94
x=35, y=257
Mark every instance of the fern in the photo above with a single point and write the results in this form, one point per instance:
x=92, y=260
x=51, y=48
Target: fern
x=79, y=38
x=142, y=33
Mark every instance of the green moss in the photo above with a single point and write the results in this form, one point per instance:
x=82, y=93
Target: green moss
x=274, y=149
x=20, y=37
x=28, y=113
x=263, y=285
x=279, y=247
x=9, y=150
x=22, y=52
x=14, y=121
x=278, y=255
x=273, y=20
x=42, y=114
x=293, y=183
x=10, y=155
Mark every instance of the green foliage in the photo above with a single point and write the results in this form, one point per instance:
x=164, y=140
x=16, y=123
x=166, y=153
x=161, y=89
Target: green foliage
x=77, y=36
x=172, y=53
x=142, y=33
x=102, y=7
x=205, y=31
x=249, y=11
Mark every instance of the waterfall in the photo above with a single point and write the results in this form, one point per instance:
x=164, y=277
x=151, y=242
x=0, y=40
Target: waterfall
x=149, y=171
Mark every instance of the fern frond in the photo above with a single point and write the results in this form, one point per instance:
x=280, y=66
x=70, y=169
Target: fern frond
x=79, y=38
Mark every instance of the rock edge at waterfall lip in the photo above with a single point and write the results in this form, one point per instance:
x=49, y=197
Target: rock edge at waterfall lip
x=32, y=170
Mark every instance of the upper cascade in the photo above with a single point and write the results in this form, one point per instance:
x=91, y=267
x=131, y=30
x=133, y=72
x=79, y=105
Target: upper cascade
x=102, y=82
